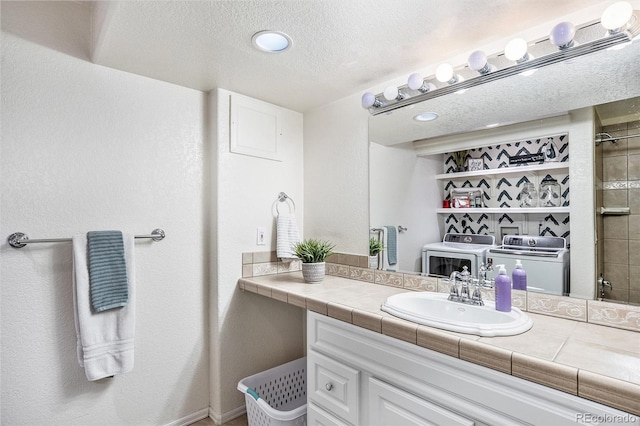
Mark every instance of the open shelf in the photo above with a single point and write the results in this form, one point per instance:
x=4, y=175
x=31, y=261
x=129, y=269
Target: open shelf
x=535, y=169
x=474, y=210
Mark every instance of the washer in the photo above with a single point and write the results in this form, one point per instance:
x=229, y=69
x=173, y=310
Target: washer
x=544, y=259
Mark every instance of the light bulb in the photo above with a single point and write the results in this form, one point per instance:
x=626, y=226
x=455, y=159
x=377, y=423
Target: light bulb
x=415, y=81
x=369, y=100
x=516, y=50
x=444, y=73
x=562, y=35
x=478, y=62
x=390, y=93
x=616, y=16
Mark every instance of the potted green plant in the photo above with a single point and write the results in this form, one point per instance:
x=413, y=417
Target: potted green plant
x=375, y=247
x=460, y=158
x=313, y=254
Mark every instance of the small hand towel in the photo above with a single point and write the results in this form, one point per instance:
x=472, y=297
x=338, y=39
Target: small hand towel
x=287, y=235
x=105, y=339
x=392, y=245
x=107, y=270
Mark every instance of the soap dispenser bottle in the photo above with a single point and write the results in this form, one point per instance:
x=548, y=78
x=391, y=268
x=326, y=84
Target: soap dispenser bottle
x=519, y=277
x=503, y=290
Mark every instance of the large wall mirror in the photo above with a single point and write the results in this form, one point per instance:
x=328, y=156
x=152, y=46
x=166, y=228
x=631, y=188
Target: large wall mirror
x=406, y=155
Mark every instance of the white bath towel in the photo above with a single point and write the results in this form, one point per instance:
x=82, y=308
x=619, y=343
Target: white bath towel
x=287, y=235
x=104, y=339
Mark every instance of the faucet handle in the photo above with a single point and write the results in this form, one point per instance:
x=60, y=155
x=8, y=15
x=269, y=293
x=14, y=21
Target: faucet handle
x=453, y=292
x=477, y=294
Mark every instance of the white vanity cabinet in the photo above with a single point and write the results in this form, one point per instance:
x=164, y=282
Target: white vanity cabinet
x=358, y=377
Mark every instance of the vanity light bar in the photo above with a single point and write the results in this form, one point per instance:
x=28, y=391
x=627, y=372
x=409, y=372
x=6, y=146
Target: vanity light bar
x=562, y=55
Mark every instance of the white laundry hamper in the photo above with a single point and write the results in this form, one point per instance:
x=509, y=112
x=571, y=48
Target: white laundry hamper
x=278, y=396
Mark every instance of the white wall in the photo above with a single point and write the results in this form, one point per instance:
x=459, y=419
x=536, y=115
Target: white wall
x=403, y=191
x=86, y=147
x=336, y=179
x=249, y=333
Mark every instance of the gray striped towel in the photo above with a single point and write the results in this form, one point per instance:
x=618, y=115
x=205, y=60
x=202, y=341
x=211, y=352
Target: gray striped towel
x=392, y=245
x=107, y=270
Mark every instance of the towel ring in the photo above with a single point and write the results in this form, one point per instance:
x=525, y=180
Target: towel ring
x=283, y=198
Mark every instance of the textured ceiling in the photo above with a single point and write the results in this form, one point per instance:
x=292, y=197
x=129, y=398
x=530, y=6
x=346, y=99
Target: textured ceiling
x=340, y=47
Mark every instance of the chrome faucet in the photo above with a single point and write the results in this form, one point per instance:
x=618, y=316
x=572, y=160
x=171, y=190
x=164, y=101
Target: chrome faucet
x=464, y=294
x=482, y=275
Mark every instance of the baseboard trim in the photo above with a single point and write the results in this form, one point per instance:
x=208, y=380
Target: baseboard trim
x=191, y=418
x=227, y=416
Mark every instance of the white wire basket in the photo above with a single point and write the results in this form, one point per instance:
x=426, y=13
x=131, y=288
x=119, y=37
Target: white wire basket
x=278, y=396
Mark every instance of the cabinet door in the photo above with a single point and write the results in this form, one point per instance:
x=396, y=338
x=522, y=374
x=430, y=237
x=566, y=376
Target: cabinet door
x=389, y=405
x=316, y=416
x=333, y=386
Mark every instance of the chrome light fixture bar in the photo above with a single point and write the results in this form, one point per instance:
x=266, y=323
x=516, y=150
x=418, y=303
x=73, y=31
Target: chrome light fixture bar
x=610, y=40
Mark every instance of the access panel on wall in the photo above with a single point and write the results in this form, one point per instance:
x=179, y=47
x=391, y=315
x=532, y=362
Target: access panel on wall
x=255, y=128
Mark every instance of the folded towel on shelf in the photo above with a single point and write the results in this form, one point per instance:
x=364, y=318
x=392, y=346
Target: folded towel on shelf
x=105, y=339
x=287, y=235
x=107, y=270
x=392, y=245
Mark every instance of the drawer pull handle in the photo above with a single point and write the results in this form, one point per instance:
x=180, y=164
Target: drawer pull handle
x=328, y=386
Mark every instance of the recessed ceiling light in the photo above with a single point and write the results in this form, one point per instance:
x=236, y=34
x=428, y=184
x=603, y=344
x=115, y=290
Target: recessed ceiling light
x=426, y=116
x=271, y=41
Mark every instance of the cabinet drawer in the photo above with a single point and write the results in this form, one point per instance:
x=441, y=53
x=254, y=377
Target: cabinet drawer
x=333, y=386
x=389, y=405
x=316, y=416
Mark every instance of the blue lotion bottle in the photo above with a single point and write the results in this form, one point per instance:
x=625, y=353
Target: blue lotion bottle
x=519, y=277
x=503, y=290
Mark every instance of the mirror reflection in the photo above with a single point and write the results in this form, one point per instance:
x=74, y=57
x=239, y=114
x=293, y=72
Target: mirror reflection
x=408, y=189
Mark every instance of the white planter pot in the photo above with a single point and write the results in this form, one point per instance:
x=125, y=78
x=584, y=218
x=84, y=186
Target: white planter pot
x=313, y=272
x=373, y=262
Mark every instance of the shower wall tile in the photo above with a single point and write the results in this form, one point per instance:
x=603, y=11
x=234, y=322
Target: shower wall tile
x=615, y=198
x=616, y=227
x=616, y=251
x=634, y=278
x=618, y=275
x=634, y=227
x=614, y=168
x=633, y=144
x=634, y=252
x=634, y=200
x=633, y=165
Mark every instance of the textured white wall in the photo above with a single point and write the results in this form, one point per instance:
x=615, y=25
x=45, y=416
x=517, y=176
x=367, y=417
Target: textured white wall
x=86, y=147
x=403, y=191
x=336, y=174
x=249, y=333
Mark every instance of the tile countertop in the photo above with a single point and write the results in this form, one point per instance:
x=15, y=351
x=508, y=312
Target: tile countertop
x=595, y=362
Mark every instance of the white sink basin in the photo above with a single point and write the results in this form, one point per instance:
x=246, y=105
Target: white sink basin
x=434, y=310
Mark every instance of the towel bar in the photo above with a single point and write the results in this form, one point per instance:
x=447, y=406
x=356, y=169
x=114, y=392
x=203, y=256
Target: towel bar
x=19, y=240
x=283, y=198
